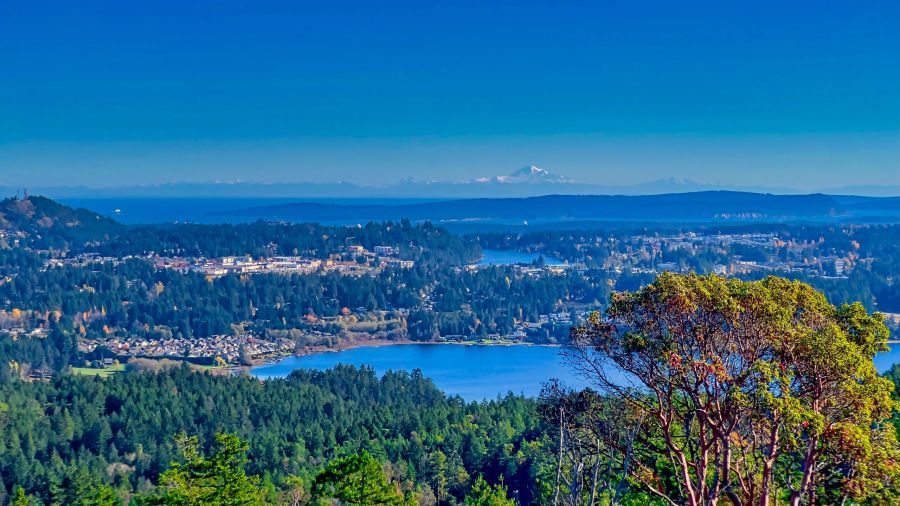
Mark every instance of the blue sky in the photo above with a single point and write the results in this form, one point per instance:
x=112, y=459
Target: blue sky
x=799, y=94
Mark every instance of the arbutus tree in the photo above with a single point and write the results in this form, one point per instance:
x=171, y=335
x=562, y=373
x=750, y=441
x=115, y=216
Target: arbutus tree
x=755, y=392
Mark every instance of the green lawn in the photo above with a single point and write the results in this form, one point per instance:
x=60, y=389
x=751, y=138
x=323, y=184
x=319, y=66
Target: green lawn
x=103, y=373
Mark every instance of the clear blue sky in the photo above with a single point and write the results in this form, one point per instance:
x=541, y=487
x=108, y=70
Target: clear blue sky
x=801, y=94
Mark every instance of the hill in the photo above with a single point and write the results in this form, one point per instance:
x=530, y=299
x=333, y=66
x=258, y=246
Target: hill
x=41, y=223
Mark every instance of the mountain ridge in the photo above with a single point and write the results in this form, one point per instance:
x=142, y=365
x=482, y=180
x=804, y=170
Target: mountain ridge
x=528, y=181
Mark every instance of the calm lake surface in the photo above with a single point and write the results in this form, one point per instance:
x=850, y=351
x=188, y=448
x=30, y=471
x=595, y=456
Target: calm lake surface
x=471, y=371
x=884, y=361
x=509, y=257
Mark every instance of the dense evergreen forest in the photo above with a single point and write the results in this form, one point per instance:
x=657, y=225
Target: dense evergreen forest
x=121, y=430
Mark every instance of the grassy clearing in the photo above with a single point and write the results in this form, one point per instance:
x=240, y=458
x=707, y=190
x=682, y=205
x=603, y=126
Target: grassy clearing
x=103, y=373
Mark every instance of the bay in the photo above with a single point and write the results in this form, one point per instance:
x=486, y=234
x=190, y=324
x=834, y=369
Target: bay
x=474, y=372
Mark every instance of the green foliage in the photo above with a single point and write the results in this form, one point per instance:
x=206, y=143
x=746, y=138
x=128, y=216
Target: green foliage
x=483, y=494
x=357, y=479
x=120, y=429
x=768, y=370
x=86, y=489
x=20, y=498
x=743, y=360
x=217, y=480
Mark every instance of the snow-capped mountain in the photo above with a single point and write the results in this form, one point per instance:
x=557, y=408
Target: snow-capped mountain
x=528, y=174
x=529, y=181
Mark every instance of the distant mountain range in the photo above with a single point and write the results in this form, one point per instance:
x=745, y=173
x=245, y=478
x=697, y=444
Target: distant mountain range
x=529, y=181
x=40, y=217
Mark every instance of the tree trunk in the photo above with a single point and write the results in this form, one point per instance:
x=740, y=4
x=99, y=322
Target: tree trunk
x=809, y=465
x=559, y=459
x=594, y=478
x=769, y=466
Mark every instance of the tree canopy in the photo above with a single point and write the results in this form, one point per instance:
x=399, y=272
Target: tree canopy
x=217, y=480
x=752, y=391
x=357, y=480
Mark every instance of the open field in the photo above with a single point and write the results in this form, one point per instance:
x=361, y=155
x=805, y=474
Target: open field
x=103, y=373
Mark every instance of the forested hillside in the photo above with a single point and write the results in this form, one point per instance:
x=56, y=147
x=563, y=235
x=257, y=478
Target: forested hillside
x=42, y=223
x=121, y=431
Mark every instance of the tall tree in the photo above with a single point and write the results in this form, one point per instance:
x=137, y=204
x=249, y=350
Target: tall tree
x=20, y=498
x=753, y=391
x=357, y=480
x=483, y=494
x=217, y=480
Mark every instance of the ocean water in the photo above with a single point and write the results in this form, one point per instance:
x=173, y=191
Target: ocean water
x=140, y=210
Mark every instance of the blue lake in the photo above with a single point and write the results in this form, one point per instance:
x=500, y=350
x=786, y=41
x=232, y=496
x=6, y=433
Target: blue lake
x=470, y=371
x=510, y=257
x=884, y=361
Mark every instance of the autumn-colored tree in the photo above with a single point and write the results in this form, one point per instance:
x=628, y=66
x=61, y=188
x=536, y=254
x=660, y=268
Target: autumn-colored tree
x=751, y=391
x=357, y=479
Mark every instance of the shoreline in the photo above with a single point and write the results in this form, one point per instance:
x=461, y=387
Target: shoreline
x=378, y=343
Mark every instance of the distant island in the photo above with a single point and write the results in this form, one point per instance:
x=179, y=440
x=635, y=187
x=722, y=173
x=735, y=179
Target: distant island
x=697, y=207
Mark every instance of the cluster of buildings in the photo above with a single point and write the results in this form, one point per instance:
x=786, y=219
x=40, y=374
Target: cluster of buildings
x=523, y=330
x=649, y=255
x=535, y=270
x=230, y=348
x=11, y=238
x=356, y=261
x=85, y=260
x=352, y=261
x=19, y=331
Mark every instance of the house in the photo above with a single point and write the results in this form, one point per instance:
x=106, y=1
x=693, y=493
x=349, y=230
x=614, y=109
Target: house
x=386, y=250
